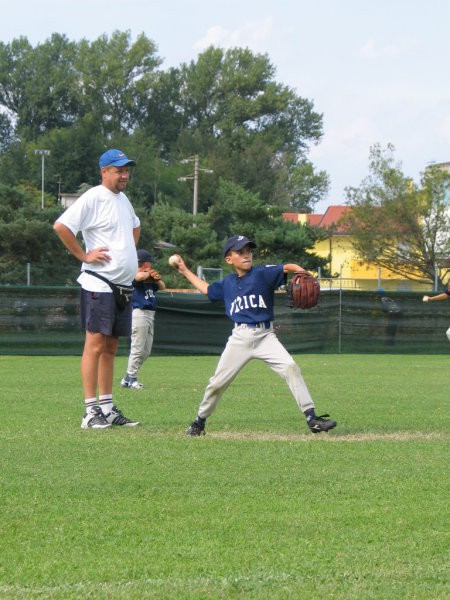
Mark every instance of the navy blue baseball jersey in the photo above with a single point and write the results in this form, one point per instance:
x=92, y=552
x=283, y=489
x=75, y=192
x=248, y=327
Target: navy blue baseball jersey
x=250, y=298
x=144, y=295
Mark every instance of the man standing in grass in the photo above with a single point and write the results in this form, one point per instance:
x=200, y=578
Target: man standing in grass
x=110, y=230
x=248, y=295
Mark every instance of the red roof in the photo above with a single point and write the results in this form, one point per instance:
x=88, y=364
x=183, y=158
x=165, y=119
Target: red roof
x=314, y=220
x=329, y=219
x=291, y=217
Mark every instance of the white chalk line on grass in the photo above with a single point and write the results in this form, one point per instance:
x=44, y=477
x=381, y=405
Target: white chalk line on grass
x=267, y=436
x=333, y=437
x=394, y=436
x=167, y=584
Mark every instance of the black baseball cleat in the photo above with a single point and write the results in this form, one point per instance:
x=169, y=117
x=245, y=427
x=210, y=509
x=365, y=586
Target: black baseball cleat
x=95, y=419
x=320, y=423
x=195, y=429
x=116, y=417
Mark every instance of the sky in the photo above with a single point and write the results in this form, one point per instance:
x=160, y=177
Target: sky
x=376, y=70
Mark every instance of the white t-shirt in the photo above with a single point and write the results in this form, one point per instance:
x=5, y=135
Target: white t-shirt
x=105, y=219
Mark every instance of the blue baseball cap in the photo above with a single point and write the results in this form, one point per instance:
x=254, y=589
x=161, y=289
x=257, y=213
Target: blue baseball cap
x=236, y=242
x=145, y=256
x=115, y=158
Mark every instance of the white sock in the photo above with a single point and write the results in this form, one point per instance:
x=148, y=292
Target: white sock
x=90, y=403
x=106, y=403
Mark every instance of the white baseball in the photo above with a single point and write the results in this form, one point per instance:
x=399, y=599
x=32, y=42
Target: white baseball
x=174, y=260
x=425, y=298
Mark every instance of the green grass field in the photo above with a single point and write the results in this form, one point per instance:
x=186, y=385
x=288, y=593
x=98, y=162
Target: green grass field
x=258, y=508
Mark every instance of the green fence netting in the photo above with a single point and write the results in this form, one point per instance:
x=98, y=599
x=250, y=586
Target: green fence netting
x=45, y=321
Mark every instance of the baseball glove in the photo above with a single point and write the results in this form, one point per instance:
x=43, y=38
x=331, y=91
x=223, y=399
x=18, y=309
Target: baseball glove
x=153, y=275
x=303, y=291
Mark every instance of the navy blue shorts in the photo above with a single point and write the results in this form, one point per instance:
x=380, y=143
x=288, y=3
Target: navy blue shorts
x=99, y=314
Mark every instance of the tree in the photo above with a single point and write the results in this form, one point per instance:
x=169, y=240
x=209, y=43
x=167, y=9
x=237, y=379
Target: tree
x=160, y=115
x=114, y=74
x=6, y=132
x=27, y=236
x=397, y=224
x=38, y=86
x=225, y=106
x=306, y=186
x=78, y=98
x=241, y=211
x=255, y=131
x=59, y=82
x=236, y=211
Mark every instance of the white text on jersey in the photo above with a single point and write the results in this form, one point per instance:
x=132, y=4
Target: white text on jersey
x=243, y=302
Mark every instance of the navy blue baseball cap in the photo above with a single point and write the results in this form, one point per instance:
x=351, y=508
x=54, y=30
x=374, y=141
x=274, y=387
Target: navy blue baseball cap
x=144, y=256
x=115, y=158
x=237, y=242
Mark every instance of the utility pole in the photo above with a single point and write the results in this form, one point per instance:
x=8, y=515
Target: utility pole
x=195, y=202
x=42, y=154
x=196, y=160
x=59, y=182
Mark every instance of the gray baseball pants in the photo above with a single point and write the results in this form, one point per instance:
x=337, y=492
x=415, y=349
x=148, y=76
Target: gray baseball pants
x=142, y=332
x=245, y=344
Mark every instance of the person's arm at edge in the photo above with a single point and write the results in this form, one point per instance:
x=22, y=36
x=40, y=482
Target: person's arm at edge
x=433, y=298
x=136, y=235
x=151, y=276
x=200, y=284
x=293, y=268
x=70, y=241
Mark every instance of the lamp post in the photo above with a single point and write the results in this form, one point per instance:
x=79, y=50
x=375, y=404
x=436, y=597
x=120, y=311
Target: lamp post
x=42, y=154
x=195, y=159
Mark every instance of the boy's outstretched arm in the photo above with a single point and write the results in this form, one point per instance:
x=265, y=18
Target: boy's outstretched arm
x=443, y=296
x=198, y=283
x=293, y=268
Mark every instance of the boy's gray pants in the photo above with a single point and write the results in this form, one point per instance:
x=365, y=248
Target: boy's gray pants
x=243, y=345
x=142, y=332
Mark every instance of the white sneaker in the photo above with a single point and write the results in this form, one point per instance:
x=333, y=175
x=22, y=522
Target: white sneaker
x=135, y=385
x=94, y=419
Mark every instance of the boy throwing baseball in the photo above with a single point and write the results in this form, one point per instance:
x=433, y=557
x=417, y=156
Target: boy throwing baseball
x=248, y=295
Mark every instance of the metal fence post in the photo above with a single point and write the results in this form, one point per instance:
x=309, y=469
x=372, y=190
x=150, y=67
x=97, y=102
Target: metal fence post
x=340, y=317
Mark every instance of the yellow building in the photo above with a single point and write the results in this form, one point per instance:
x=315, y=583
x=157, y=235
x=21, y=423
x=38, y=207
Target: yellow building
x=347, y=269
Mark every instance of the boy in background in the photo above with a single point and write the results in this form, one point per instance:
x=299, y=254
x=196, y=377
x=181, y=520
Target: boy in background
x=146, y=283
